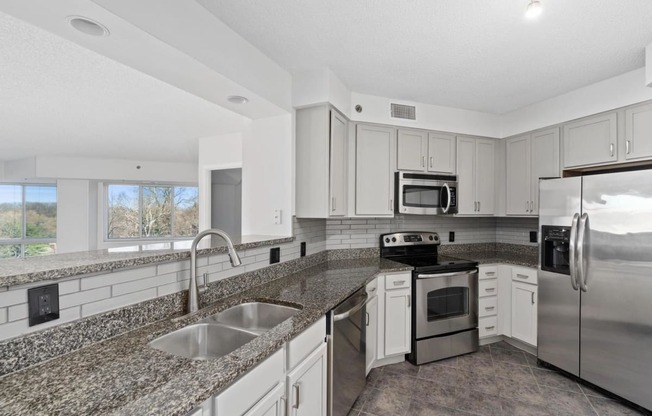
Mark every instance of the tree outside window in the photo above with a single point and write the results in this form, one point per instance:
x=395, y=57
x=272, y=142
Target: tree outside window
x=28, y=220
x=151, y=211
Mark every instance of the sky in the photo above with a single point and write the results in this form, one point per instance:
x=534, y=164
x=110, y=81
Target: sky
x=33, y=193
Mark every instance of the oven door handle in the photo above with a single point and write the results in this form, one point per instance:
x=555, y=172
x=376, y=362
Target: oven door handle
x=438, y=275
x=448, y=192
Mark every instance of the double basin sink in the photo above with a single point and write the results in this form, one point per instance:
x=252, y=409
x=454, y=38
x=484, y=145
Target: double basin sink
x=224, y=332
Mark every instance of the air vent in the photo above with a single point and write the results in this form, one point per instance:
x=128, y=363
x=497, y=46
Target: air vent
x=407, y=112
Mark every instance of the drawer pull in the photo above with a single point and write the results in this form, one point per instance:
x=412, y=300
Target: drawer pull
x=371, y=290
x=490, y=289
x=489, y=328
x=522, y=276
x=490, y=273
x=399, y=282
x=489, y=308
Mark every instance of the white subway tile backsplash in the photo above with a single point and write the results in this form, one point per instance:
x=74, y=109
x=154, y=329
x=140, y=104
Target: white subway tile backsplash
x=87, y=296
x=69, y=286
x=3, y=315
x=17, y=312
x=13, y=297
x=142, y=284
x=172, y=288
x=117, y=277
x=117, y=302
x=176, y=266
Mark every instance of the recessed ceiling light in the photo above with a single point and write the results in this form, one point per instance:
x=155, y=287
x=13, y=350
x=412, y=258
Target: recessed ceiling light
x=88, y=26
x=533, y=9
x=237, y=99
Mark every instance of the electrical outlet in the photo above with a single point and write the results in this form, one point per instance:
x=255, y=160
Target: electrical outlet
x=533, y=237
x=451, y=236
x=303, y=249
x=274, y=255
x=43, y=304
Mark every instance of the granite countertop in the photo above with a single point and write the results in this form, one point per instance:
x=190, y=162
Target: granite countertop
x=124, y=376
x=499, y=257
x=34, y=269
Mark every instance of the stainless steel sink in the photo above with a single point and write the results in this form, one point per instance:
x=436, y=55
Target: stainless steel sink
x=256, y=317
x=203, y=341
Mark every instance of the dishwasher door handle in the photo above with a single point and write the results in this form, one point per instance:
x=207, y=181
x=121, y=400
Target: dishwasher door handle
x=351, y=311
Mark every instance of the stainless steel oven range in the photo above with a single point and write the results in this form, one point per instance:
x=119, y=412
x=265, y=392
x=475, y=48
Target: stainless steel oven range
x=445, y=294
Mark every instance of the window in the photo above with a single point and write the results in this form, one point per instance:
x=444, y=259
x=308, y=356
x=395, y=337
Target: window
x=28, y=220
x=145, y=212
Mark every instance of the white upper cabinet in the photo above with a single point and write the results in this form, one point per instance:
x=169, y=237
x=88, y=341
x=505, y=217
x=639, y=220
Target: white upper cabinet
x=321, y=163
x=441, y=153
x=638, y=132
x=374, y=170
x=421, y=151
x=475, y=170
x=412, y=150
x=527, y=159
x=591, y=141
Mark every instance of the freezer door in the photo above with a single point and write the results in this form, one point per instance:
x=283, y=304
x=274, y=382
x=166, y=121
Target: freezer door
x=616, y=326
x=558, y=323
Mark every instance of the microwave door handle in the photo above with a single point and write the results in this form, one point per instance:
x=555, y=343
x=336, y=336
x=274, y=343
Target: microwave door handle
x=571, y=250
x=448, y=204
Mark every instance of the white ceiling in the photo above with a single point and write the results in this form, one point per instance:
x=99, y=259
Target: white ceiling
x=473, y=54
x=58, y=98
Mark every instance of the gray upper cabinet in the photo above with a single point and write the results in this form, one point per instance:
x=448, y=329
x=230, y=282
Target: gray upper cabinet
x=476, y=169
x=529, y=158
x=638, y=131
x=591, y=141
x=374, y=170
x=441, y=153
x=321, y=162
x=412, y=150
x=422, y=151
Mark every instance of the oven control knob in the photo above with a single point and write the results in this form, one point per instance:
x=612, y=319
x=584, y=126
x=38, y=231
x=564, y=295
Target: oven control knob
x=393, y=239
x=387, y=240
x=431, y=238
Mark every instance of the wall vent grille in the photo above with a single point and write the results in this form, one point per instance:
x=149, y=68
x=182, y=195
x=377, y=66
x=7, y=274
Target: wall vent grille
x=407, y=112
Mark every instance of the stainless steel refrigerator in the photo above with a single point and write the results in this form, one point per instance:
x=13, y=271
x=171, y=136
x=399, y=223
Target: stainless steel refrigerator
x=595, y=280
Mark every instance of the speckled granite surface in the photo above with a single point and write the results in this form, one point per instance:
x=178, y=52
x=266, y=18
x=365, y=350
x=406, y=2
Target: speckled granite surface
x=490, y=253
x=20, y=271
x=123, y=376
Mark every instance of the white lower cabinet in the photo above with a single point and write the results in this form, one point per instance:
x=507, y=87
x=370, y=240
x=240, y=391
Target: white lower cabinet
x=396, y=313
x=307, y=385
x=524, y=312
x=271, y=405
x=371, y=339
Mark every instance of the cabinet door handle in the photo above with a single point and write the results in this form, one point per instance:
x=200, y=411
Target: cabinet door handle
x=627, y=146
x=333, y=203
x=522, y=276
x=367, y=316
x=532, y=297
x=430, y=161
x=390, y=205
x=297, y=391
x=478, y=206
x=611, y=149
x=490, y=289
x=489, y=308
x=283, y=406
x=475, y=206
x=531, y=206
x=489, y=328
x=409, y=300
x=423, y=161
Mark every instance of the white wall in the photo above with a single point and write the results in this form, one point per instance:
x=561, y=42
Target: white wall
x=267, y=176
x=318, y=87
x=76, y=215
x=625, y=89
x=648, y=65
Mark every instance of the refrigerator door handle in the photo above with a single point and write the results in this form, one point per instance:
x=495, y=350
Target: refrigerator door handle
x=572, y=250
x=582, y=278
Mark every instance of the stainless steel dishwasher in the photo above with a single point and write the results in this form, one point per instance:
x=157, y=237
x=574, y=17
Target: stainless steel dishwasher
x=346, y=353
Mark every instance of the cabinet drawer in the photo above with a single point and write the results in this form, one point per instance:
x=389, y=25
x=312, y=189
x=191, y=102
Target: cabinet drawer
x=301, y=346
x=397, y=281
x=487, y=272
x=488, y=288
x=372, y=287
x=488, y=306
x=524, y=274
x=488, y=326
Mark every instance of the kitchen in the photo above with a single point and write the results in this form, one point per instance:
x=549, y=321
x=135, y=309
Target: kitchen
x=353, y=184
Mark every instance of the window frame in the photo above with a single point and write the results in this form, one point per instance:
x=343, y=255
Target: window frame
x=24, y=240
x=141, y=185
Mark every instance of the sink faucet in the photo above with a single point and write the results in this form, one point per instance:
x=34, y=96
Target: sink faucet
x=193, y=291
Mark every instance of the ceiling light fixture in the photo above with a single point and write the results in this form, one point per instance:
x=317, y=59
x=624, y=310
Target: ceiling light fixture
x=88, y=26
x=533, y=9
x=237, y=99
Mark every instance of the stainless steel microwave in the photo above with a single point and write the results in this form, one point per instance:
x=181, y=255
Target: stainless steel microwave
x=426, y=194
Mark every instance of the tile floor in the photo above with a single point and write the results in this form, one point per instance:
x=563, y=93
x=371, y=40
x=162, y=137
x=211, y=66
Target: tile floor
x=497, y=380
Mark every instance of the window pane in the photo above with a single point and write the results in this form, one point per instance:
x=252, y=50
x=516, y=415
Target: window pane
x=186, y=211
x=9, y=251
x=11, y=211
x=40, y=249
x=157, y=211
x=41, y=211
x=123, y=221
